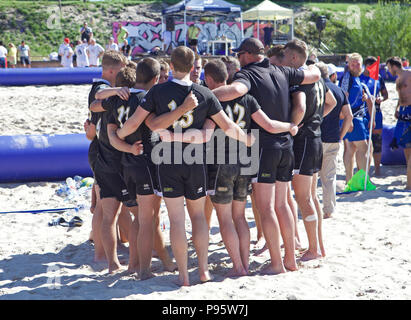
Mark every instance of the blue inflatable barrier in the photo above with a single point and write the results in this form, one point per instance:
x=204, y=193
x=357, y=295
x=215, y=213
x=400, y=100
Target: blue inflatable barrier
x=390, y=157
x=43, y=157
x=48, y=76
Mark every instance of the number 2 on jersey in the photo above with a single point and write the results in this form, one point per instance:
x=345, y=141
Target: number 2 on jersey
x=239, y=111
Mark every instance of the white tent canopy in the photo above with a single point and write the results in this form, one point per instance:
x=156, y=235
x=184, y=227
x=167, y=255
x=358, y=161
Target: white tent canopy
x=267, y=11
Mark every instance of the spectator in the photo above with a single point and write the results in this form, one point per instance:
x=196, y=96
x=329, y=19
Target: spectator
x=167, y=41
x=65, y=43
x=268, y=35
x=332, y=73
x=12, y=56
x=67, y=56
x=3, y=55
x=193, y=45
x=24, y=51
x=405, y=62
x=82, y=53
x=126, y=49
x=95, y=53
x=122, y=34
x=86, y=32
x=313, y=57
x=112, y=45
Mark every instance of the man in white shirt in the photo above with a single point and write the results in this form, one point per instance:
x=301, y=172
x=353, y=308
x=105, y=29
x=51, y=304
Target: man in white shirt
x=65, y=43
x=24, y=51
x=95, y=52
x=3, y=55
x=82, y=53
x=67, y=57
x=112, y=45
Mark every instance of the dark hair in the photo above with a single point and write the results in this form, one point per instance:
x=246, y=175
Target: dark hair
x=147, y=69
x=182, y=59
x=370, y=60
x=394, y=61
x=126, y=77
x=277, y=51
x=217, y=70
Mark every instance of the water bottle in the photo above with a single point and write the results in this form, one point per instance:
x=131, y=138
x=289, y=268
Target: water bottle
x=71, y=183
x=77, y=180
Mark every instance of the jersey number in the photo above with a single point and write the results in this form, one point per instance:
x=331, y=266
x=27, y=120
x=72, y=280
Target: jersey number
x=186, y=120
x=239, y=111
x=98, y=127
x=122, y=115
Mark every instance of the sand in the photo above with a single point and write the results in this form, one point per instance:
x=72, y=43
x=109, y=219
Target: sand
x=366, y=240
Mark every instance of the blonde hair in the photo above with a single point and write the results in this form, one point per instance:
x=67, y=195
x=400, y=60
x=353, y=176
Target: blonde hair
x=182, y=59
x=112, y=58
x=355, y=56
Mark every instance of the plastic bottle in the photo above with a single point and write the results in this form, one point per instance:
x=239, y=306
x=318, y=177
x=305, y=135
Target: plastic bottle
x=71, y=183
x=78, y=180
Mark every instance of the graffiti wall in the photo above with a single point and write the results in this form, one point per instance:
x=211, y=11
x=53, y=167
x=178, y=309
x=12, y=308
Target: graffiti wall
x=143, y=36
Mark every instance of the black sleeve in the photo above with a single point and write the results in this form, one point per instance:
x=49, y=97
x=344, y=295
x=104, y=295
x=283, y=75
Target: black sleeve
x=214, y=105
x=110, y=103
x=252, y=104
x=242, y=76
x=94, y=117
x=147, y=103
x=294, y=76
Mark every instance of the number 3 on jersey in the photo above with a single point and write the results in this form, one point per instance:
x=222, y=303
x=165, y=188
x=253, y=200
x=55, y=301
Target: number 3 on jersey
x=239, y=111
x=122, y=115
x=186, y=120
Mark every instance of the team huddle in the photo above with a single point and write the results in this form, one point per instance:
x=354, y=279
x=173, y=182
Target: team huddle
x=250, y=128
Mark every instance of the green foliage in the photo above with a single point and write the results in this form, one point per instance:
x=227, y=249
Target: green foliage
x=385, y=33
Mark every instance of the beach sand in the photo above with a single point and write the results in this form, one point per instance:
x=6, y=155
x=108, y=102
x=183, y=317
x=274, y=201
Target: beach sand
x=365, y=241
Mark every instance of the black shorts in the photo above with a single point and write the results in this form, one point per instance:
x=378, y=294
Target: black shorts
x=225, y=183
x=308, y=153
x=275, y=165
x=140, y=180
x=25, y=60
x=92, y=154
x=111, y=185
x=176, y=180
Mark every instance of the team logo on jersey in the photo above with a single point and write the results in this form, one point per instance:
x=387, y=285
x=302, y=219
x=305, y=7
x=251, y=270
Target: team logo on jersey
x=124, y=192
x=146, y=186
x=199, y=190
x=168, y=189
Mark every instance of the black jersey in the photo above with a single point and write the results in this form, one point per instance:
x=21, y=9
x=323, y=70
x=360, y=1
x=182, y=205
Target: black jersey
x=98, y=84
x=239, y=111
x=270, y=86
x=315, y=100
x=121, y=111
x=167, y=96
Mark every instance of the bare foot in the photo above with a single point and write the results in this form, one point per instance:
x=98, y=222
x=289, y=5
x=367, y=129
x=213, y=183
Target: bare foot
x=182, y=283
x=270, y=270
x=170, y=266
x=205, y=277
x=133, y=269
x=327, y=215
x=308, y=255
x=235, y=273
x=290, y=264
x=114, y=268
x=146, y=274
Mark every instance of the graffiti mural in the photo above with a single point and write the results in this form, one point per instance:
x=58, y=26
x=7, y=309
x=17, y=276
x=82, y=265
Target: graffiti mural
x=144, y=36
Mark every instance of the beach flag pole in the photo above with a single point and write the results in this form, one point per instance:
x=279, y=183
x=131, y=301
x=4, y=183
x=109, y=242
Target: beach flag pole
x=374, y=72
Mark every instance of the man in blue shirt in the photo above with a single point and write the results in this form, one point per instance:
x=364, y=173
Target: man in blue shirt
x=356, y=141
x=381, y=95
x=331, y=135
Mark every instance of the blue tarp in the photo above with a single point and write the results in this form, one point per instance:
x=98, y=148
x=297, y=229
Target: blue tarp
x=202, y=5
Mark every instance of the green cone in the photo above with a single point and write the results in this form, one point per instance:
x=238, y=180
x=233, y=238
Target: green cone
x=357, y=183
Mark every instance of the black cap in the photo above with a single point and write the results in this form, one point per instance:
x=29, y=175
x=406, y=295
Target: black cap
x=251, y=45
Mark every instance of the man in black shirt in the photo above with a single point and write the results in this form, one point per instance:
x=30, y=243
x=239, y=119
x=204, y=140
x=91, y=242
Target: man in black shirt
x=311, y=101
x=228, y=186
x=112, y=62
x=138, y=170
x=331, y=135
x=270, y=86
x=177, y=178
